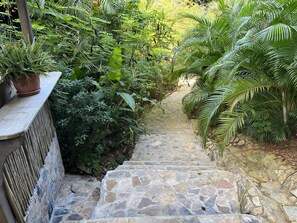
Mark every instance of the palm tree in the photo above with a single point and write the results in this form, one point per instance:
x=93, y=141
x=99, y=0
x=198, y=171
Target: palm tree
x=256, y=75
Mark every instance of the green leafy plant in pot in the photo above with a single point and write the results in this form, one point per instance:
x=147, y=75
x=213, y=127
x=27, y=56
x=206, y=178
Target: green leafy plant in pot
x=23, y=64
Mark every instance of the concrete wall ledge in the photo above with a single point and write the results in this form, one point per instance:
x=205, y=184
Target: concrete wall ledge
x=17, y=115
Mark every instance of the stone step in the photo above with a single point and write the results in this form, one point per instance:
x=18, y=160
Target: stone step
x=223, y=218
x=139, y=192
x=151, y=163
x=165, y=167
x=174, y=138
x=164, y=147
x=169, y=155
x=170, y=163
x=173, y=145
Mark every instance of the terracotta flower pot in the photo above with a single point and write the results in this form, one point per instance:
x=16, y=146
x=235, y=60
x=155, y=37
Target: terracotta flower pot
x=27, y=86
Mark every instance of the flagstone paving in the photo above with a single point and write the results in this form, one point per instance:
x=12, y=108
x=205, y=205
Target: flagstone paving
x=169, y=177
x=76, y=199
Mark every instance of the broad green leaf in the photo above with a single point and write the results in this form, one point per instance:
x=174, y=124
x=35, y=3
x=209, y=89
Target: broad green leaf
x=128, y=99
x=115, y=64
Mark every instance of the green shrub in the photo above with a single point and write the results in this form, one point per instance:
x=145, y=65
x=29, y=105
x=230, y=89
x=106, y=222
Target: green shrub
x=246, y=66
x=90, y=124
x=115, y=60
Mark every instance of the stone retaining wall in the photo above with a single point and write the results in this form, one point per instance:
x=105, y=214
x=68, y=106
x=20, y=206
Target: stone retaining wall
x=51, y=176
x=267, y=180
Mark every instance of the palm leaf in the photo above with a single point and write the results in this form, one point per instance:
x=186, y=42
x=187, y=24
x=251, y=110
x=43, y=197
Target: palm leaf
x=194, y=100
x=193, y=42
x=246, y=88
x=201, y=63
x=276, y=33
x=280, y=132
x=210, y=110
x=292, y=72
x=197, y=97
x=230, y=123
x=290, y=8
x=201, y=20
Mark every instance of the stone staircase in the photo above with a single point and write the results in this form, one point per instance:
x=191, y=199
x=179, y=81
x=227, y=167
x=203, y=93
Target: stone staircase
x=162, y=192
x=169, y=179
x=180, y=219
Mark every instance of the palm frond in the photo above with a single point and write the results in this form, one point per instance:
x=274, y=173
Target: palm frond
x=202, y=63
x=284, y=52
x=276, y=33
x=245, y=89
x=201, y=20
x=194, y=100
x=230, y=124
x=280, y=132
x=193, y=42
x=289, y=8
x=211, y=109
x=292, y=72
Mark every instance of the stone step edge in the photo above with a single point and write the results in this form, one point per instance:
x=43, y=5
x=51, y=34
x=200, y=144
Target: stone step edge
x=168, y=165
x=164, y=170
x=169, y=168
x=133, y=166
x=169, y=162
x=181, y=151
x=222, y=218
x=190, y=160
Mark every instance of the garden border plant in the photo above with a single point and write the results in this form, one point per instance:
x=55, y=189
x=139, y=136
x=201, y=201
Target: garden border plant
x=246, y=68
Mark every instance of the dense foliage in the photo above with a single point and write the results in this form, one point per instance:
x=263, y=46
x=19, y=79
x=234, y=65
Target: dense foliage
x=115, y=58
x=245, y=63
x=111, y=73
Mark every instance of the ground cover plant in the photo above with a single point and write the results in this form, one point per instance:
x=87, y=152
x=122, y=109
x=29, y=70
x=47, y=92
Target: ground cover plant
x=245, y=61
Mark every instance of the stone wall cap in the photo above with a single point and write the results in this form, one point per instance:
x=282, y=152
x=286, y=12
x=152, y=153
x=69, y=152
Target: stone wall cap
x=17, y=115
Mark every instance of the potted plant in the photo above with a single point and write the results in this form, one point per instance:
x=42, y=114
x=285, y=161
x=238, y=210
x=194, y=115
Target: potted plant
x=23, y=64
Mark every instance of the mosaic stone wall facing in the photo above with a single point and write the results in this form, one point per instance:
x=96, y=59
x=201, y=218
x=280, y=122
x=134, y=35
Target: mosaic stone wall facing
x=51, y=178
